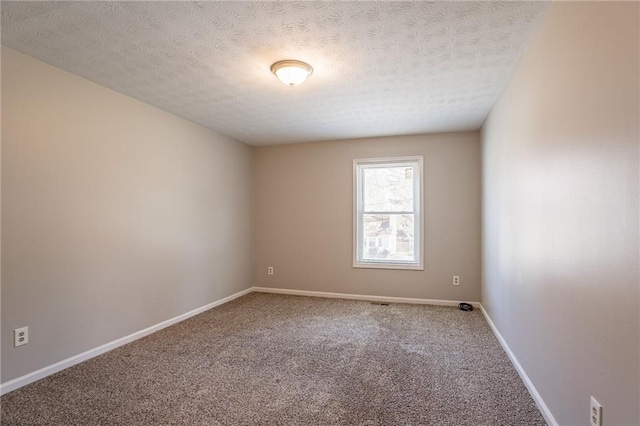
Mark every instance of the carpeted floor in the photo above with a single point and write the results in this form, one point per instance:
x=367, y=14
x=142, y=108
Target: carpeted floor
x=285, y=360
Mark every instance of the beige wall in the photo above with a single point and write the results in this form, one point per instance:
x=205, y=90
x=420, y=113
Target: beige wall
x=116, y=215
x=560, y=216
x=303, y=217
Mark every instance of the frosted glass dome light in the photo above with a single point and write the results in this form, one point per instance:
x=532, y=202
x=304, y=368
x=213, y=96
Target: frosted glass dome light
x=291, y=72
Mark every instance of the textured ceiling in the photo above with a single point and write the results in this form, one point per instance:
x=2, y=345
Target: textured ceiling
x=380, y=68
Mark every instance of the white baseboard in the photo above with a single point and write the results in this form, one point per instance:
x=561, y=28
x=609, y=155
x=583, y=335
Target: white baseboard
x=546, y=413
x=360, y=297
x=76, y=359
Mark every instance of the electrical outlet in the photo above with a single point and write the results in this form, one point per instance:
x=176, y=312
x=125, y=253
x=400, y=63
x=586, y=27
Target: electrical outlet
x=270, y=270
x=596, y=413
x=20, y=336
x=456, y=280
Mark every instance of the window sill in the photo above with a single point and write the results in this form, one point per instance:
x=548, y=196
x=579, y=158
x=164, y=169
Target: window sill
x=397, y=266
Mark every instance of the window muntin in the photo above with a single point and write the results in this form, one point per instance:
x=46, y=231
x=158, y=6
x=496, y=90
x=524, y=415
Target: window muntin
x=388, y=213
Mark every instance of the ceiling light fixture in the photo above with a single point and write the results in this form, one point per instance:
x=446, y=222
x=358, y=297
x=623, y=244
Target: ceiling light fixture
x=291, y=72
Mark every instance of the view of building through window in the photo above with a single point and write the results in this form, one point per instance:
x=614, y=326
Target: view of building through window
x=387, y=211
x=388, y=229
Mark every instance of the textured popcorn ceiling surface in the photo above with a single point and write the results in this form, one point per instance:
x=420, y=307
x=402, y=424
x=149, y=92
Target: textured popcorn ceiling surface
x=380, y=68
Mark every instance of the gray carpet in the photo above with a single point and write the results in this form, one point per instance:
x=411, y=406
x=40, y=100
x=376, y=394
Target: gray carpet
x=285, y=360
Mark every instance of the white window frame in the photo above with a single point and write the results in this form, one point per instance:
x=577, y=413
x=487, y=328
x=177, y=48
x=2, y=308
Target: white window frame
x=358, y=212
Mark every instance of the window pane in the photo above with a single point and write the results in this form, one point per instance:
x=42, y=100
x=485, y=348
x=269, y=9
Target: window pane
x=388, y=237
x=388, y=189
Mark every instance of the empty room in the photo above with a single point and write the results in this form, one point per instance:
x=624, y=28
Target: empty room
x=320, y=213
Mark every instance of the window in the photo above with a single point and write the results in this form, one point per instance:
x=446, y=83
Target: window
x=388, y=213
